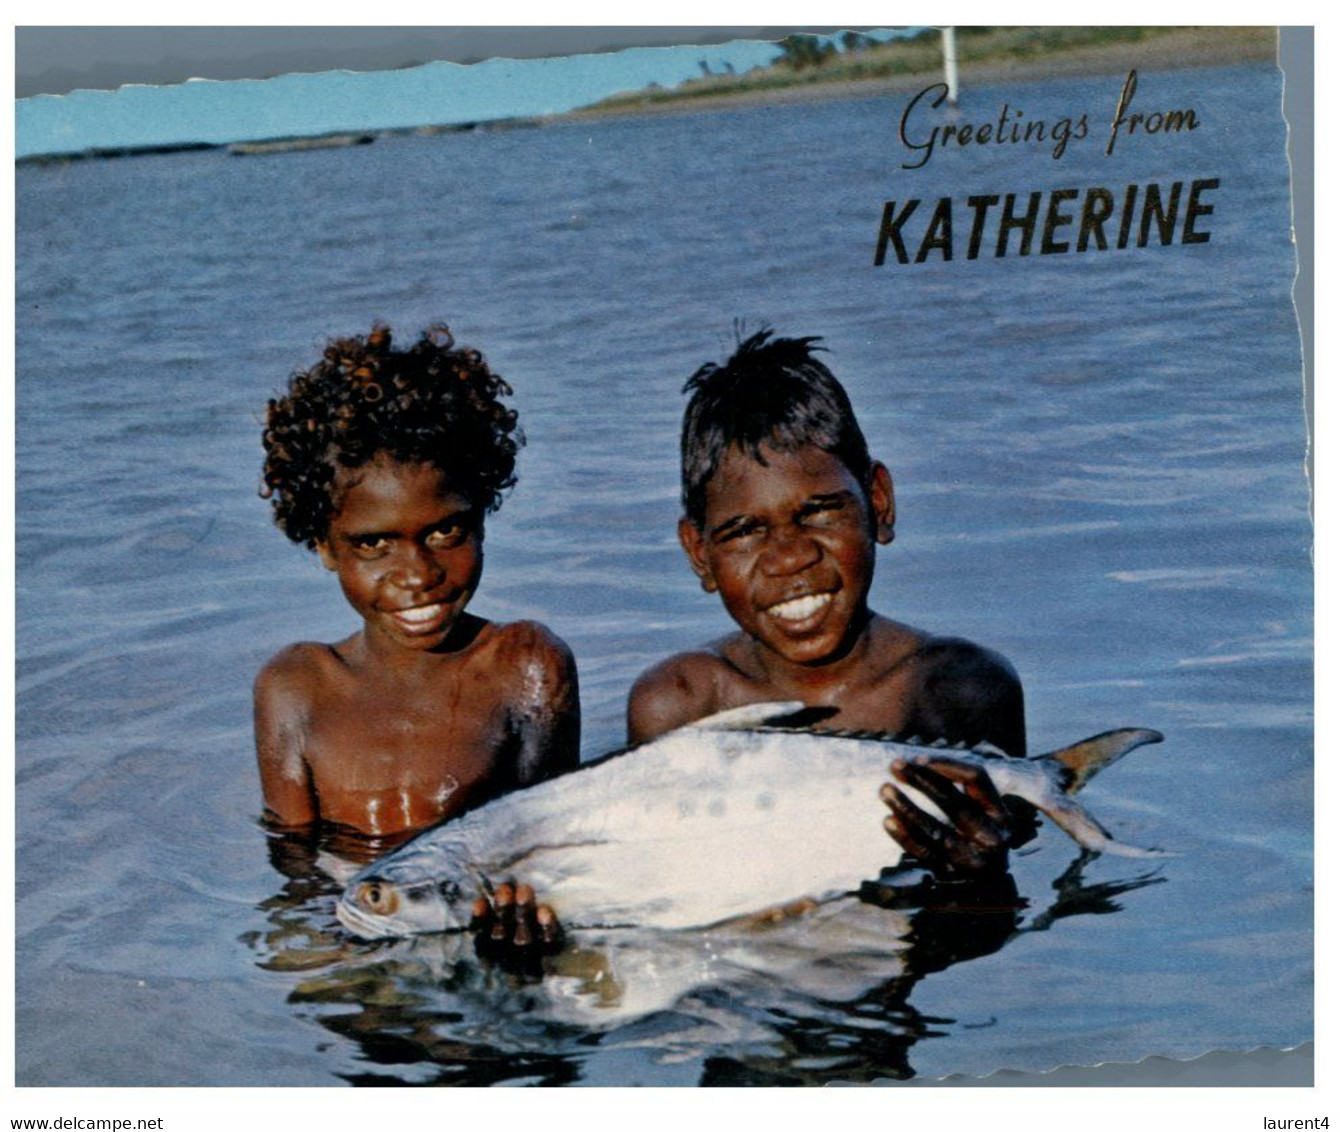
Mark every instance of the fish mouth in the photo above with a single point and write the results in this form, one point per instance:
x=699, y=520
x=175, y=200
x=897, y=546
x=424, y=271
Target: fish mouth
x=800, y=610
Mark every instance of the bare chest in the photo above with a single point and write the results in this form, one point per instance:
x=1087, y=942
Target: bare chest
x=383, y=763
x=889, y=703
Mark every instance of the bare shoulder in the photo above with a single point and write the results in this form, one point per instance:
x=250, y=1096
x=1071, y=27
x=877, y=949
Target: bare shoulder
x=969, y=693
x=959, y=659
x=527, y=644
x=293, y=675
x=537, y=678
x=286, y=690
x=678, y=690
x=531, y=661
x=526, y=637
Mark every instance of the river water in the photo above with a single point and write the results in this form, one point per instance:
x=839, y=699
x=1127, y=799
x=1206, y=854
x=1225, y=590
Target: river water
x=1099, y=462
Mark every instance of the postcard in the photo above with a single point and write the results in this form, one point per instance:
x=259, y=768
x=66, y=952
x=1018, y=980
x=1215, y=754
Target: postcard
x=440, y=325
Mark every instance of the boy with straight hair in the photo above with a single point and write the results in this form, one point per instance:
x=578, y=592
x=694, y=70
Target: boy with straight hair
x=783, y=510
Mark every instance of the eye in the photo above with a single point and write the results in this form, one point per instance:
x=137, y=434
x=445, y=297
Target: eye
x=370, y=546
x=448, y=535
x=825, y=512
x=739, y=534
x=451, y=891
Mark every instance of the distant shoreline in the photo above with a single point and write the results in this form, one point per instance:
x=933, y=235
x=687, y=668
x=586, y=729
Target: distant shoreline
x=257, y=147
x=991, y=57
x=1162, y=50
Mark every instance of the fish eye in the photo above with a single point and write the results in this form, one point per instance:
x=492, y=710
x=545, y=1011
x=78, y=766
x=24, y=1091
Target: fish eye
x=451, y=891
x=377, y=897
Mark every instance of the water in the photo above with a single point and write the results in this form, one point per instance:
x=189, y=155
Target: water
x=1099, y=471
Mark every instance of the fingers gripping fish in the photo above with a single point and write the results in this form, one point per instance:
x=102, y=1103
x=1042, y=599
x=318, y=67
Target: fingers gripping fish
x=731, y=814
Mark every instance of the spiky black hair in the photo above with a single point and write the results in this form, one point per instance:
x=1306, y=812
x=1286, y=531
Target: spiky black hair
x=771, y=391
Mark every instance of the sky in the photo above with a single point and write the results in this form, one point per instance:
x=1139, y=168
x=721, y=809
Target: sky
x=55, y=60
x=305, y=103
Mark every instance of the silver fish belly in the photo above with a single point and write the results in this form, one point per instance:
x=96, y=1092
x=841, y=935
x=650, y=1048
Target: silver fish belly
x=721, y=818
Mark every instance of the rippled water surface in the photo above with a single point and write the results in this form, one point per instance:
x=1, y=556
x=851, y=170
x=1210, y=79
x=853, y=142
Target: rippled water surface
x=1099, y=467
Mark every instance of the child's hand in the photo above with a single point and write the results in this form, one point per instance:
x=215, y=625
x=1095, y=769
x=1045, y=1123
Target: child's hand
x=512, y=924
x=980, y=830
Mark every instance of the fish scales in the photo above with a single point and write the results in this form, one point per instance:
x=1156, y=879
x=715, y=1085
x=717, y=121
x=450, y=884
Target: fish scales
x=712, y=821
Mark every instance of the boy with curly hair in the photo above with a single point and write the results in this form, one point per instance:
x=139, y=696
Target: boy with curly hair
x=783, y=510
x=385, y=462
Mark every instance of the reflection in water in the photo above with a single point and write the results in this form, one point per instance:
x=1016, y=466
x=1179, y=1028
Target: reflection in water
x=869, y=1037
x=804, y=999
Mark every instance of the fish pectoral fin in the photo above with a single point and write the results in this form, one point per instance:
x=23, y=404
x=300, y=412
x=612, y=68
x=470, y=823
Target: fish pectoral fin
x=1083, y=760
x=782, y=913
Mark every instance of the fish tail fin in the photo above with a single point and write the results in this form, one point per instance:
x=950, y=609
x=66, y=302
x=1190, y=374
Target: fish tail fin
x=1083, y=760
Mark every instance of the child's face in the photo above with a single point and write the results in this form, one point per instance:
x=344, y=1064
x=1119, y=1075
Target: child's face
x=407, y=548
x=791, y=548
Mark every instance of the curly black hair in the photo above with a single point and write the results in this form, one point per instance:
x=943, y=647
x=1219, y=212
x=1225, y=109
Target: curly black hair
x=431, y=403
x=771, y=391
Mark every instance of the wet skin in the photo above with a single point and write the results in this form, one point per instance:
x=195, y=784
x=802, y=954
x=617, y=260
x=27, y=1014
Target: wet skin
x=427, y=710
x=789, y=545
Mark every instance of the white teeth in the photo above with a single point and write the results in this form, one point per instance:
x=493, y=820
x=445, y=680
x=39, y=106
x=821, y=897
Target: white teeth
x=420, y=615
x=799, y=608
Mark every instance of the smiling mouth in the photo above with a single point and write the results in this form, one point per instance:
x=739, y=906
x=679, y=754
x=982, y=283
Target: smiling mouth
x=420, y=616
x=799, y=609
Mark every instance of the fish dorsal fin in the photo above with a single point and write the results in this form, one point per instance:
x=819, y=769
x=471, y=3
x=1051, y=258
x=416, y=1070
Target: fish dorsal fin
x=1086, y=758
x=748, y=717
x=898, y=737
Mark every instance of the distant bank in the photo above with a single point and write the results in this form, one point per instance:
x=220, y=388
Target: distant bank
x=985, y=55
x=266, y=146
x=810, y=68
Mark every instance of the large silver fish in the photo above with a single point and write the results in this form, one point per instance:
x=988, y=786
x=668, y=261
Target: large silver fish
x=721, y=818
